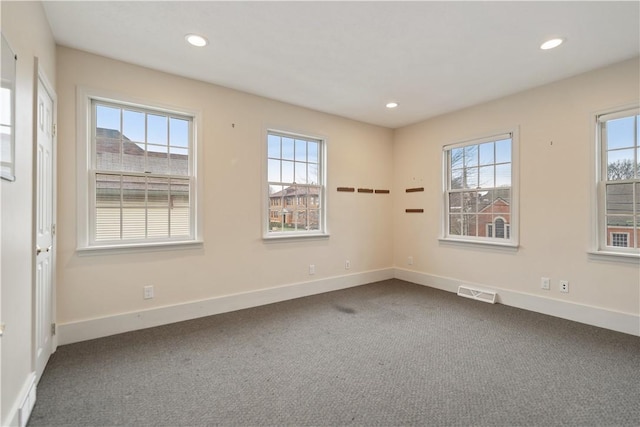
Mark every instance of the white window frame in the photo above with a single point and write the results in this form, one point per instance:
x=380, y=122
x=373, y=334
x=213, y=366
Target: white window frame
x=322, y=232
x=85, y=191
x=599, y=228
x=512, y=242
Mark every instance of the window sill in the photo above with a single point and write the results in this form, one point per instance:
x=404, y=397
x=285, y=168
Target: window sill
x=633, y=258
x=506, y=247
x=294, y=237
x=139, y=247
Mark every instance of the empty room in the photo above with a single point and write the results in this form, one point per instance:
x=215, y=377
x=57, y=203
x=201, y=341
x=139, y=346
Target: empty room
x=320, y=213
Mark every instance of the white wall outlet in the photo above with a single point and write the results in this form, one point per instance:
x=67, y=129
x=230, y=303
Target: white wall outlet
x=148, y=292
x=545, y=283
x=564, y=286
x=347, y=264
x=312, y=269
x=410, y=260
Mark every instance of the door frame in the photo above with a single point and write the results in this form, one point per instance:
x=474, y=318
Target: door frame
x=40, y=76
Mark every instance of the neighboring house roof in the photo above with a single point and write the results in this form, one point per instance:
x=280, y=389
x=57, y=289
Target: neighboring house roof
x=295, y=190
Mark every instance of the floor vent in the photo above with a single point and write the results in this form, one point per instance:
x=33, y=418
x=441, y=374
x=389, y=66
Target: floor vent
x=479, y=294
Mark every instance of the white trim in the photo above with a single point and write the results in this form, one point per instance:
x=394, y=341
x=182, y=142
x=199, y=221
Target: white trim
x=627, y=323
x=100, y=327
x=13, y=417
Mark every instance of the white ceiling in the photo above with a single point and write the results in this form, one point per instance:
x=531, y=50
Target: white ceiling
x=351, y=58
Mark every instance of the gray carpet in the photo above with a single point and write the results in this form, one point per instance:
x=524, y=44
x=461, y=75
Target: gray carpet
x=388, y=353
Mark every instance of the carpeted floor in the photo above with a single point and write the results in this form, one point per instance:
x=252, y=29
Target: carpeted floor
x=388, y=353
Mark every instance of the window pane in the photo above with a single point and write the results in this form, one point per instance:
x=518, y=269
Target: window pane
x=133, y=125
x=312, y=177
x=158, y=159
x=503, y=151
x=300, y=172
x=620, y=165
x=455, y=225
x=108, y=148
x=470, y=178
x=301, y=150
x=471, y=155
x=179, y=160
x=133, y=207
x=287, y=148
x=133, y=157
x=107, y=190
x=178, y=132
x=485, y=225
x=273, y=172
x=455, y=203
x=487, y=153
x=273, y=146
x=157, y=207
x=313, y=151
x=503, y=175
x=470, y=225
x=456, y=156
x=108, y=198
x=485, y=201
x=456, y=179
x=180, y=208
x=620, y=132
x=107, y=118
x=314, y=219
x=157, y=127
x=619, y=199
x=619, y=225
x=287, y=172
x=486, y=177
x=637, y=198
x=469, y=202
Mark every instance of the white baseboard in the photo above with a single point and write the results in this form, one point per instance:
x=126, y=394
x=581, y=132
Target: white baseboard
x=595, y=316
x=21, y=409
x=101, y=327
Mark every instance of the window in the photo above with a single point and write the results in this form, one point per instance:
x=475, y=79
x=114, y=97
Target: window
x=618, y=191
x=295, y=185
x=141, y=187
x=479, y=197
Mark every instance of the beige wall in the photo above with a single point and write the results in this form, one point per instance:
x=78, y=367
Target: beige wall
x=26, y=29
x=555, y=193
x=234, y=259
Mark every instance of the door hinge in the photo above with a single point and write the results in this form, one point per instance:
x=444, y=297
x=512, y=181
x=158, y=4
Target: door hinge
x=53, y=329
x=54, y=129
x=53, y=229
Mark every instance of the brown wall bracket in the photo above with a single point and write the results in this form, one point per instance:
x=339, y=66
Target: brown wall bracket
x=414, y=190
x=365, y=190
x=347, y=189
x=414, y=210
x=382, y=191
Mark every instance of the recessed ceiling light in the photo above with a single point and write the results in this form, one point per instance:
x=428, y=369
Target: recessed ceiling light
x=392, y=105
x=550, y=44
x=196, y=40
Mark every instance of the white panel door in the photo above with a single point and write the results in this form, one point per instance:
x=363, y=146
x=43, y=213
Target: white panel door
x=44, y=231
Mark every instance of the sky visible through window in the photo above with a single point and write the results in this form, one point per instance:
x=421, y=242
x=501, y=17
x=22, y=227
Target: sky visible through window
x=161, y=130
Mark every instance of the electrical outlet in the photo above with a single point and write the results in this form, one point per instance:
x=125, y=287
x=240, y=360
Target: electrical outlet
x=564, y=286
x=148, y=292
x=312, y=269
x=545, y=283
x=410, y=260
x=347, y=264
